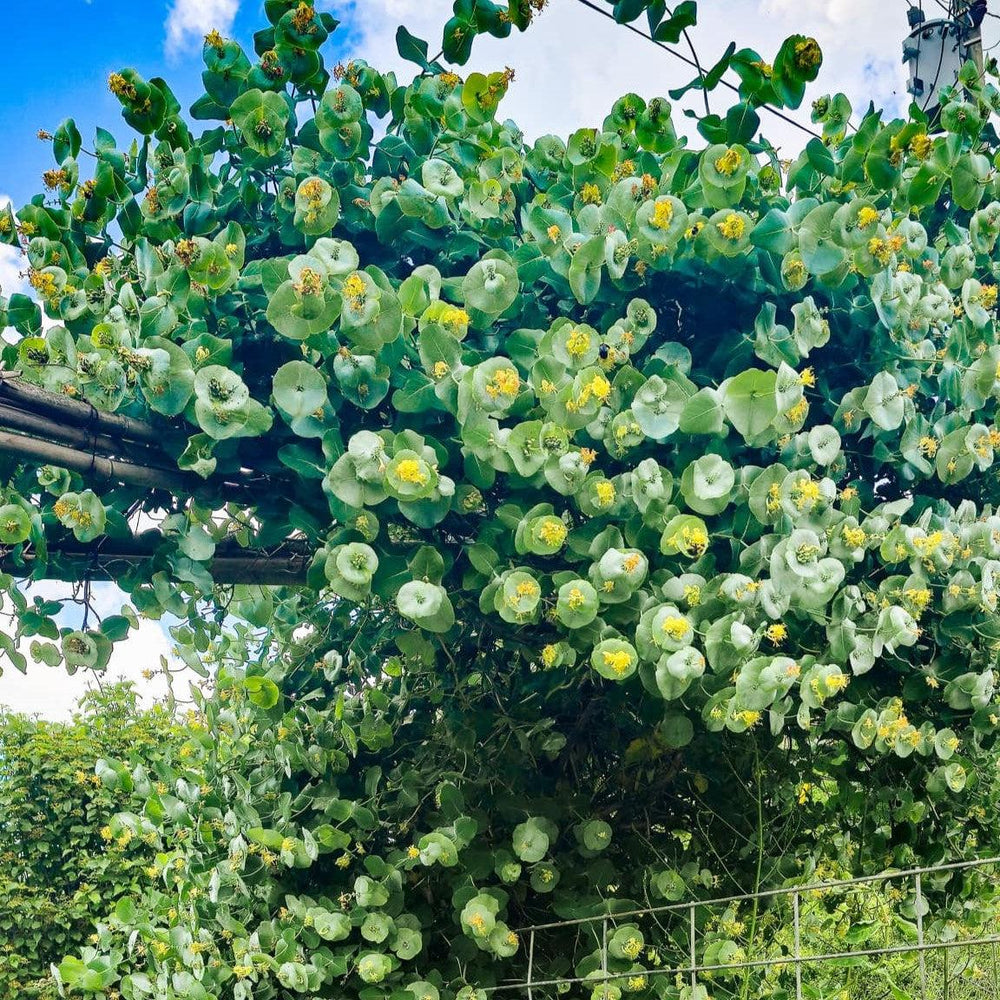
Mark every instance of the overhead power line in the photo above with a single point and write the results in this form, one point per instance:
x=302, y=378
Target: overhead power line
x=694, y=65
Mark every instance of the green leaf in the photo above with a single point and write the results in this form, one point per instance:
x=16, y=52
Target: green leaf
x=749, y=403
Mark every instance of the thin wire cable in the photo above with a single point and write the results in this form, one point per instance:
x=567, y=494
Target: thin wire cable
x=690, y=62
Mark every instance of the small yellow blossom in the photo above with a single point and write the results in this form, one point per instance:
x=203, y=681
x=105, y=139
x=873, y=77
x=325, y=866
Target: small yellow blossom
x=578, y=343
x=777, y=632
x=552, y=532
x=409, y=471
x=355, y=290
x=854, y=538
x=797, y=412
x=728, y=163
x=675, y=628
x=867, y=216
x=506, y=382
x=663, y=213
x=732, y=227
x=606, y=493
x=619, y=661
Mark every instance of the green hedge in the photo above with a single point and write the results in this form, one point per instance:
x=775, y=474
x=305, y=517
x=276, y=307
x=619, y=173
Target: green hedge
x=59, y=871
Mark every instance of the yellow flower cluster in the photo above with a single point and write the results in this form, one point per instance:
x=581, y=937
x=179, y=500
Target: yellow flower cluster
x=355, y=291
x=663, y=213
x=619, y=661
x=410, y=471
x=506, y=382
x=732, y=227
x=728, y=163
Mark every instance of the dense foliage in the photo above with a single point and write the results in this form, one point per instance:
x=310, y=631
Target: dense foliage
x=61, y=868
x=650, y=490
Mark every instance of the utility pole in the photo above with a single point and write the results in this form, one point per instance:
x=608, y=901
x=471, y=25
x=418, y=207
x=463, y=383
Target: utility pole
x=971, y=13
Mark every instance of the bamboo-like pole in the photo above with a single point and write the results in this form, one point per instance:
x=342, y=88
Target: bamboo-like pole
x=76, y=412
x=282, y=567
x=35, y=426
x=95, y=465
x=76, y=436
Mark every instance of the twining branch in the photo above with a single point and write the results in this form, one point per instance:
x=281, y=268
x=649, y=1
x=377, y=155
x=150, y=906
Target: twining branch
x=283, y=566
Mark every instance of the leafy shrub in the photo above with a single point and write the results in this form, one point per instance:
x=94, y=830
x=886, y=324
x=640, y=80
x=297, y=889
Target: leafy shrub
x=63, y=864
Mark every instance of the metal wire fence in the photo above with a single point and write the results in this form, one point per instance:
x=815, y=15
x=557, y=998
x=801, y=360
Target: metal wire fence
x=890, y=935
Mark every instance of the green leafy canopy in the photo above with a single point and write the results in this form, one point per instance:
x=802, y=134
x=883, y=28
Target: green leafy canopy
x=623, y=465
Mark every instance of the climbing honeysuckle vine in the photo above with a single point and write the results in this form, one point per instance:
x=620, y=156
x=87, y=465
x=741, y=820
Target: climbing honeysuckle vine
x=624, y=462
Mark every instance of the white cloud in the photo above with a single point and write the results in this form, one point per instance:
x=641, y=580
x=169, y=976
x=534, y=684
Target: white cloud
x=52, y=693
x=572, y=63
x=188, y=21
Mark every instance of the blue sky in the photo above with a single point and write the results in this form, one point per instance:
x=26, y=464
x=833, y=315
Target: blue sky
x=47, y=76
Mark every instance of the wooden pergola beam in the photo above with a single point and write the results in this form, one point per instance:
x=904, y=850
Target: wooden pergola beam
x=284, y=566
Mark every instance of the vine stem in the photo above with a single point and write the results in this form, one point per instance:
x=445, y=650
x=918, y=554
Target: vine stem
x=760, y=865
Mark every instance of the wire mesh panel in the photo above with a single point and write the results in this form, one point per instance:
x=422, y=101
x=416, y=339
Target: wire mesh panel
x=897, y=935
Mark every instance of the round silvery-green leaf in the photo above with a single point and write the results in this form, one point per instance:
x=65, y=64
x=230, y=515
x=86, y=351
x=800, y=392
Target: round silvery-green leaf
x=337, y=257
x=339, y=105
x=376, y=927
x=503, y=941
x=658, y=405
x=677, y=731
x=261, y=118
x=626, y=942
x=749, y=403
x=614, y=659
x=317, y=206
x=596, y=835
x=408, y=943
x=707, y=484
x=83, y=513
x=299, y=309
x=293, y=976
x=299, y=389
x=544, y=877
x=221, y=388
x=80, y=649
x=577, y=604
x=530, y=841
x=884, y=402
x=373, y=967
x=824, y=444
x=331, y=926
x=357, y=562
x=441, y=178
x=15, y=524
x=491, y=286
x=418, y=600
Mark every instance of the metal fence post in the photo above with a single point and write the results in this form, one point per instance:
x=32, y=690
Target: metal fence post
x=604, y=948
x=694, y=960
x=798, y=948
x=919, y=905
x=531, y=960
